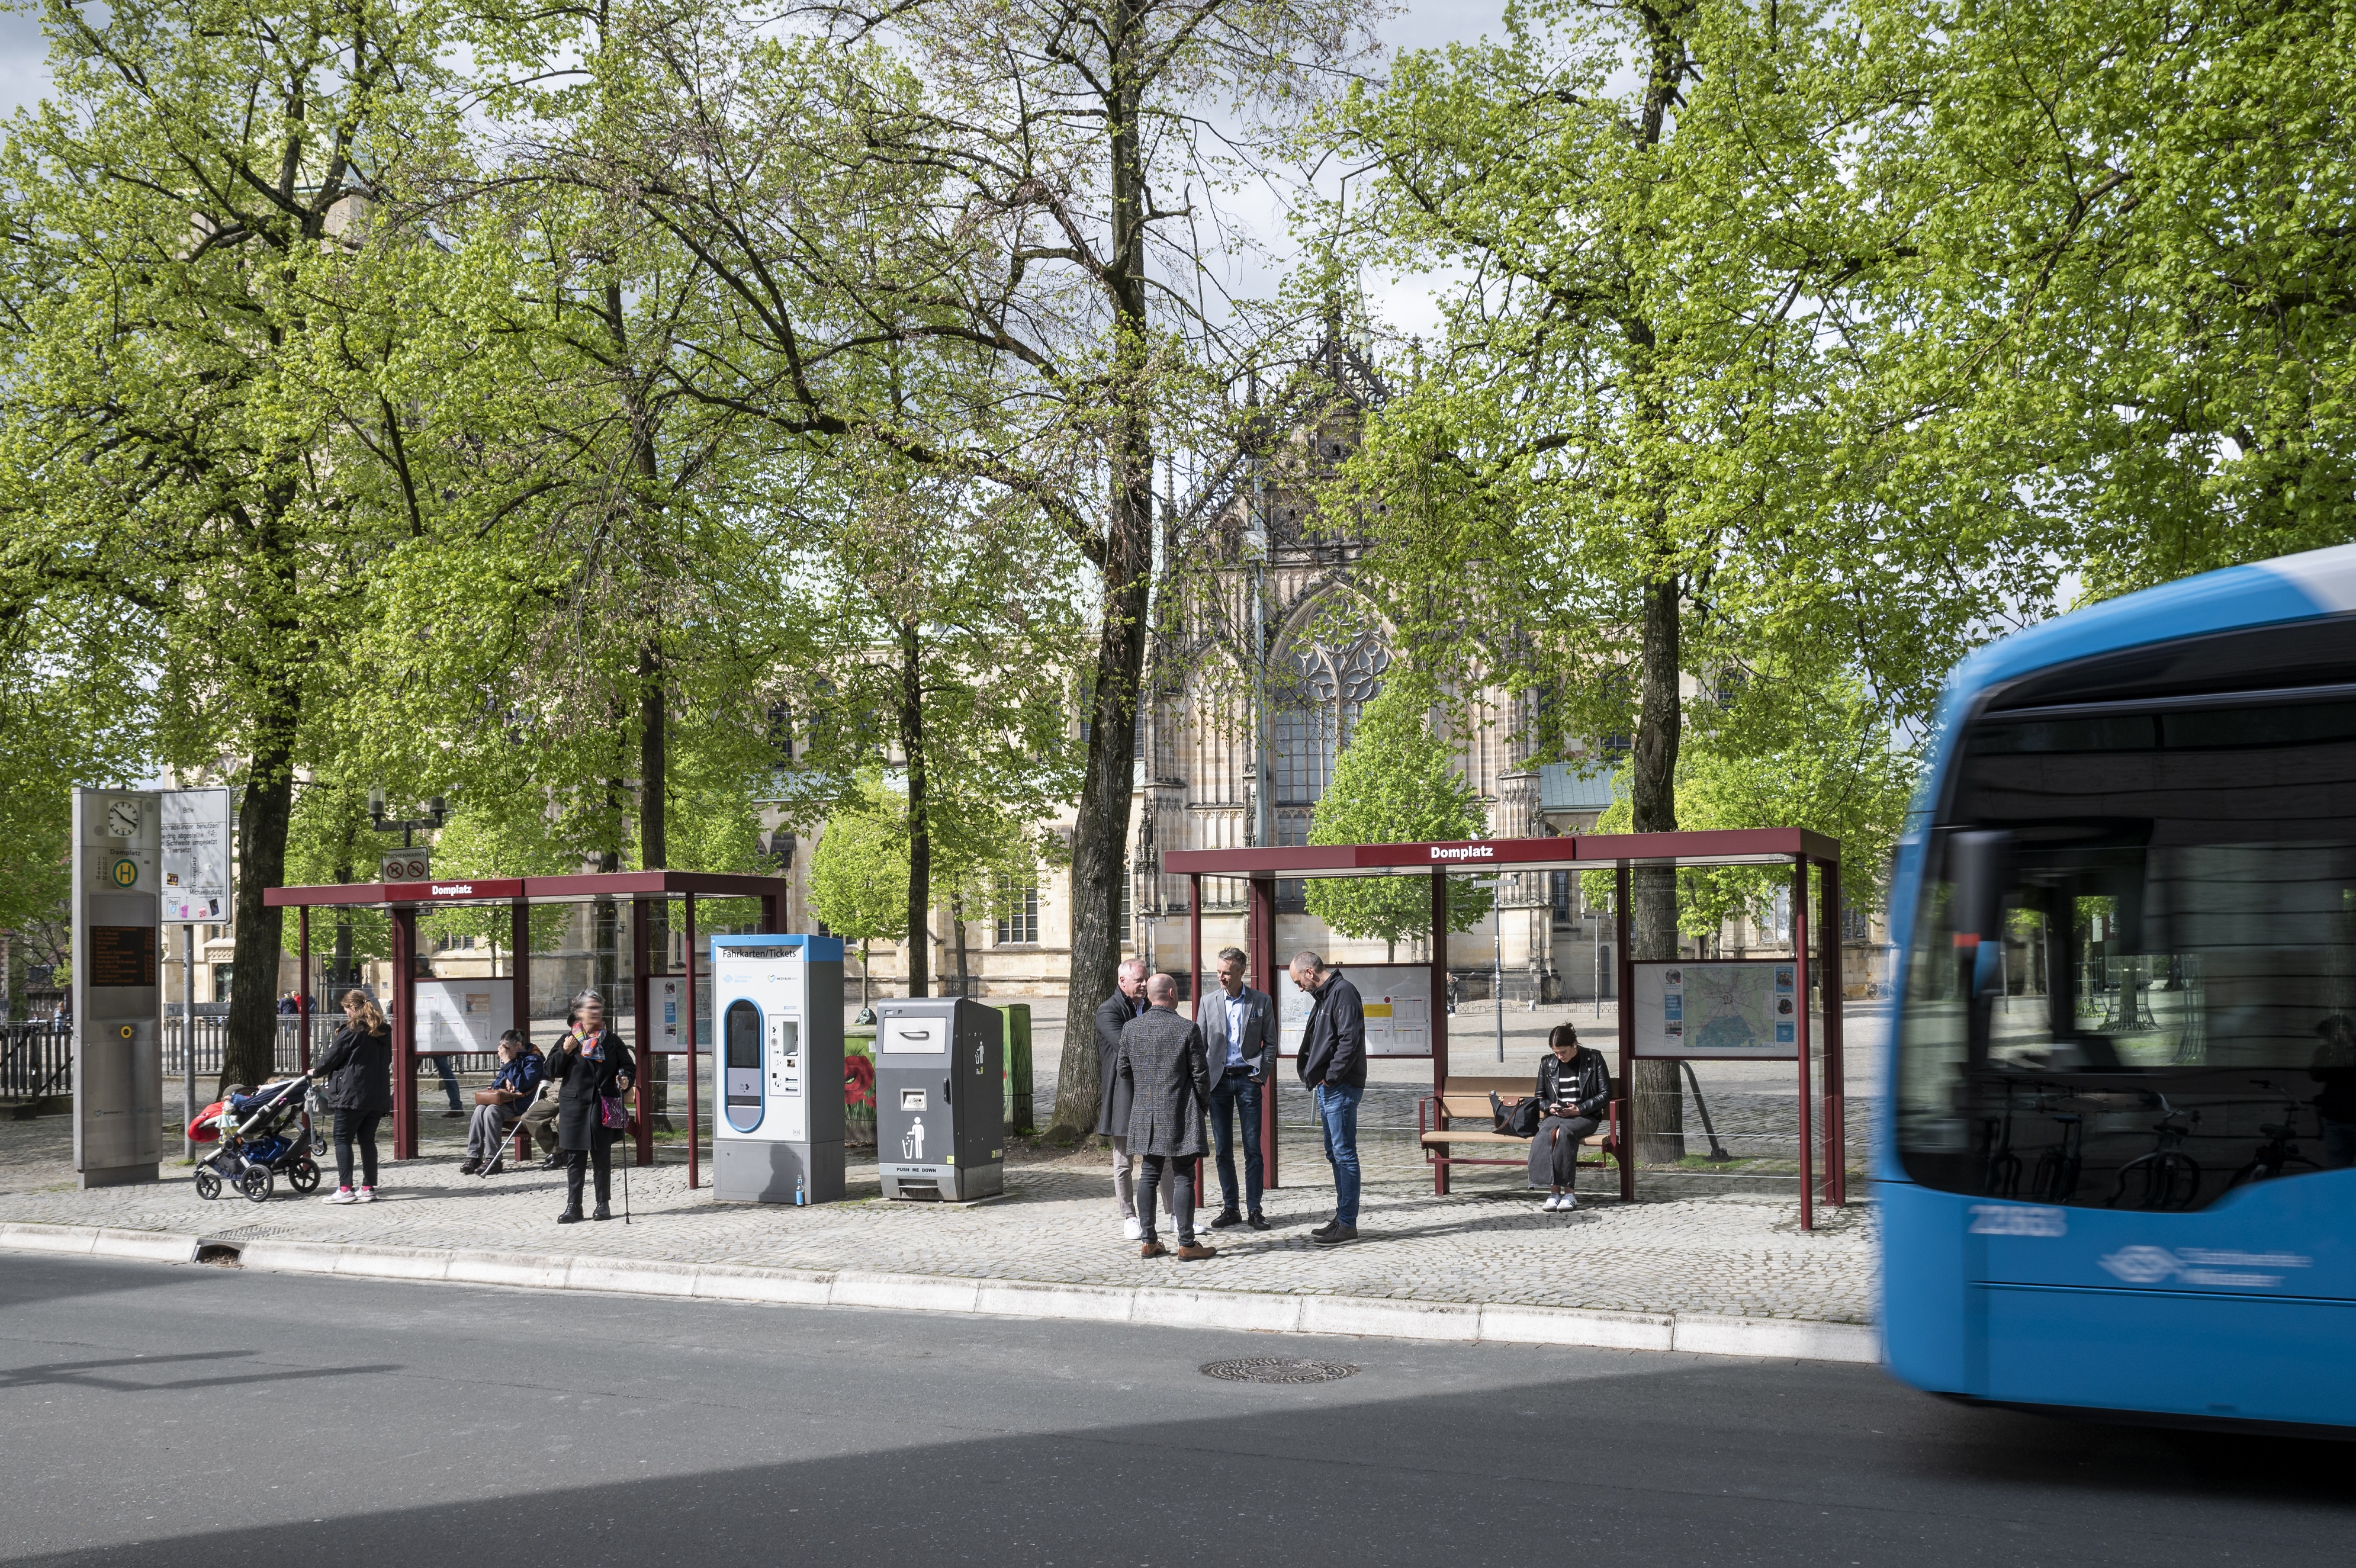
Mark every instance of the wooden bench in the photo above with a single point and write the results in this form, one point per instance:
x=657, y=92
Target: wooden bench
x=1467, y=1099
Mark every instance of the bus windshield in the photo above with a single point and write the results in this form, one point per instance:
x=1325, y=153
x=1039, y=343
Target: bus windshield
x=2132, y=982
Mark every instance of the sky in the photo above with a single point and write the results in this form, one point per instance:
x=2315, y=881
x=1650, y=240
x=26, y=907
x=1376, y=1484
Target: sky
x=1404, y=304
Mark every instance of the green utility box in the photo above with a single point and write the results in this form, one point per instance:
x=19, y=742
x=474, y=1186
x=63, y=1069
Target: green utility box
x=1018, y=1069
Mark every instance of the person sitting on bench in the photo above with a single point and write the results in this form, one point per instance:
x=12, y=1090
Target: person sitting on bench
x=1574, y=1086
x=497, y=1108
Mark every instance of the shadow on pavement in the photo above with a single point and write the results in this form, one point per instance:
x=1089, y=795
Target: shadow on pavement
x=1684, y=1463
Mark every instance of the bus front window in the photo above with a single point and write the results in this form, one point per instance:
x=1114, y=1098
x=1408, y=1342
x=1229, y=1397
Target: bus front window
x=2148, y=1007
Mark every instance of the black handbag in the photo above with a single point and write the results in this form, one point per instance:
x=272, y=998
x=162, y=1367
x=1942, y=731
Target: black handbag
x=1519, y=1119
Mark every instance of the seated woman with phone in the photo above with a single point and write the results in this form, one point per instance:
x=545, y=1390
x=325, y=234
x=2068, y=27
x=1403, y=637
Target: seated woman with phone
x=1574, y=1086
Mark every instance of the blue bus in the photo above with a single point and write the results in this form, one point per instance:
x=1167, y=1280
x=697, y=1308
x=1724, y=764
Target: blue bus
x=2117, y=1167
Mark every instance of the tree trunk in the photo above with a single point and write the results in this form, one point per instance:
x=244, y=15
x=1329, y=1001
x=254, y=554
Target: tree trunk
x=264, y=808
x=654, y=855
x=1658, y=1093
x=1100, y=836
x=956, y=924
x=918, y=945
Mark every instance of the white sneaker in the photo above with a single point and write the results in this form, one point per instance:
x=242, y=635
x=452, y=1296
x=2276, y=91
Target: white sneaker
x=1548, y=1206
x=1132, y=1229
x=341, y=1194
x=1565, y=1204
x=364, y=1195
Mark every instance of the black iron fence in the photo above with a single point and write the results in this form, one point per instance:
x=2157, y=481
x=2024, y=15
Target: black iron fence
x=36, y=1058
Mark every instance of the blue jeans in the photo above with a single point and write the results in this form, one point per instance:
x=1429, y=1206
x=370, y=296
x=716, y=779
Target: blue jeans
x=449, y=1080
x=1236, y=1091
x=1337, y=1119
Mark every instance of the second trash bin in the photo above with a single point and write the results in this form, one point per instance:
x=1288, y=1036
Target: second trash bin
x=940, y=1116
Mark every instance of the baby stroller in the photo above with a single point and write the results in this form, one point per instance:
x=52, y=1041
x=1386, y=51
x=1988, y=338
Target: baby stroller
x=261, y=1137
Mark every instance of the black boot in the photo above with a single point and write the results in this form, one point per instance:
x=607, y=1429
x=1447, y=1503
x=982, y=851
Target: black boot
x=571, y=1215
x=602, y=1212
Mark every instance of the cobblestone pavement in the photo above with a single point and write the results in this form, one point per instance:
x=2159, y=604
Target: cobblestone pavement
x=1694, y=1245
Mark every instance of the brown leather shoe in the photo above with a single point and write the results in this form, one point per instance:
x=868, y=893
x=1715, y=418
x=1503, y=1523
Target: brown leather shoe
x=1194, y=1253
x=1153, y=1250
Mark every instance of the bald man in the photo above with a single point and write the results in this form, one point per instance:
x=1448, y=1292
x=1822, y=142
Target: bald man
x=1163, y=1065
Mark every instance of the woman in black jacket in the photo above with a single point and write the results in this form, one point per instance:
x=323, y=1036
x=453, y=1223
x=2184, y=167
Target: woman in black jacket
x=1573, y=1088
x=357, y=1079
x=592, y=1065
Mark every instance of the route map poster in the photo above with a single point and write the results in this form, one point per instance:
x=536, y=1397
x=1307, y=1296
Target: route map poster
x=1721, y=1009
x=1397, y=999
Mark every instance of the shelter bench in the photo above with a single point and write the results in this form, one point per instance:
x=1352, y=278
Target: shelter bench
x=1468, y=1098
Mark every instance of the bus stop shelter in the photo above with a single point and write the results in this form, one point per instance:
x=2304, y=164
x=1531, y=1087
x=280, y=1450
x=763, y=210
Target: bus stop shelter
x=642, y=891
x=1620, y=854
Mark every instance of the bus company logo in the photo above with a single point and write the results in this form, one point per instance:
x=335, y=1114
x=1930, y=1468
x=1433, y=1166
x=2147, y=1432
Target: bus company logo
x=451, y=889
x=2142, y=1266
x=1463, y=851
x=2201, y=1266
x=2019, y=1220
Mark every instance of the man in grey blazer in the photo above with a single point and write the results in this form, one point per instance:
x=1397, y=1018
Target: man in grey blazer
x=1238, y=1026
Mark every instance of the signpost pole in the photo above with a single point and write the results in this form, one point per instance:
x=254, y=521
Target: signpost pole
x=187, y=1039
x=1625, y=983
x=1260, y=940
x=687, y=1039
x=1440, y=1016
x=404, y=1032
x=303, y=988
x=1836, y=1069
x=1800, y=1015
x=641, y=995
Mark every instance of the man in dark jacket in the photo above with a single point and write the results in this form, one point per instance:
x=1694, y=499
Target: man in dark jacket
x=1333, y=1065
x=1113, y=1015
x=1162, y=1064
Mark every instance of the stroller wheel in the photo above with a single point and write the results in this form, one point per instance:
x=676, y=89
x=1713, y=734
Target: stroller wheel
x=208, y=1184
x=302, y=1174
x=254, y=1181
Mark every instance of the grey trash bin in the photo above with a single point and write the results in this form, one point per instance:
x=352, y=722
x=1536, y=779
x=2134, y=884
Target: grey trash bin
x=940, y=1127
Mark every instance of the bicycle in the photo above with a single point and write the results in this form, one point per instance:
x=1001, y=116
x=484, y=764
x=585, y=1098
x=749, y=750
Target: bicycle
x=2058, y=1166
x=2171, y=1179
x=2277, y=1152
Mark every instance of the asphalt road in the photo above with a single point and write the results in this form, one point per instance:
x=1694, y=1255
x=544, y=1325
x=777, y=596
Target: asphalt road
x=198, y=1416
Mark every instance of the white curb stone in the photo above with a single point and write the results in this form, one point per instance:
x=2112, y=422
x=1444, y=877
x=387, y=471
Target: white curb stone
x=905, y=1293
x=782, y=1287
x=1516, y=1325
x=1389, y=1319
x=1234, y=1311
x=1254, y=1312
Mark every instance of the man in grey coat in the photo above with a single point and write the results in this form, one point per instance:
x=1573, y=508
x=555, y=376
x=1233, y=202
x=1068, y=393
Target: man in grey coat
x=1162, y=1067
x=1238, y=1026
x=1113, y=1015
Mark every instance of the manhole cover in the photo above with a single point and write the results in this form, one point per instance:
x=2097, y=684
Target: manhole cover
x=1277, y=1370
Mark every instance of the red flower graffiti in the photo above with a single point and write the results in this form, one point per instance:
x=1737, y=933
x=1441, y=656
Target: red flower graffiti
x=858, y=1081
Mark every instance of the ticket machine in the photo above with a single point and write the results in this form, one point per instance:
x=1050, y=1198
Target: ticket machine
x=940, y=1099
x=777, y=1026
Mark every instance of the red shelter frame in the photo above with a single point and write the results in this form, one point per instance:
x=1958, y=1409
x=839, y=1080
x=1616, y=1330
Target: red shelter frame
x=1620, y=852
x=640, y=889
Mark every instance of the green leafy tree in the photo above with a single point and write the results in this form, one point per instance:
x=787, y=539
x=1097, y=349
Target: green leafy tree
x=1393, y=784
x=1647, y=441
x=186, y=218
x=1825, y=760
x=2123, y=296
x=859, y=873
x=935, y=646
x=984, y=181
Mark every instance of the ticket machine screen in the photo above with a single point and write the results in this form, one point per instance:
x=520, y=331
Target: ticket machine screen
x=741, y=1028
